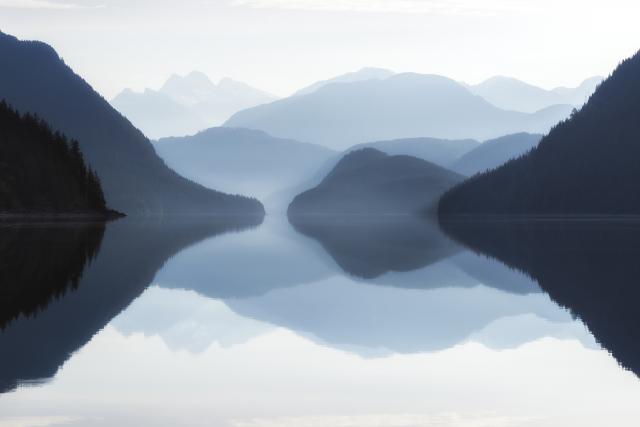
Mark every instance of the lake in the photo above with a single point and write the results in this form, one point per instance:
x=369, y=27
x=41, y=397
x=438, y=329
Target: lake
x=320, y=322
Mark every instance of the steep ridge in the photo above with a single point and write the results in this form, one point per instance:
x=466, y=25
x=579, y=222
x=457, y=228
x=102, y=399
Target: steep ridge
x=587, y=165
x=135, y=180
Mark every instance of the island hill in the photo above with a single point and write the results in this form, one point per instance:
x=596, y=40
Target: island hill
x=368, y=181
x=43, y=172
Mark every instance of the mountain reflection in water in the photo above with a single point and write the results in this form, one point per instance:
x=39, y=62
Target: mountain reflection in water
x=257, y=302
x=77, y=281
x=589, y=266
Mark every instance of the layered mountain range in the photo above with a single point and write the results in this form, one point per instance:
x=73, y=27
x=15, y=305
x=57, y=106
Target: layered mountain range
x=187, y=104
x=346, y=111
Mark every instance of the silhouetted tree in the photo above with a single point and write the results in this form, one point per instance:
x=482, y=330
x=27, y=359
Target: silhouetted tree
x=41, y=171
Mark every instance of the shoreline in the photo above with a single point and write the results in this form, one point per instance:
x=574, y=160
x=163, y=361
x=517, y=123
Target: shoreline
x=60, y=216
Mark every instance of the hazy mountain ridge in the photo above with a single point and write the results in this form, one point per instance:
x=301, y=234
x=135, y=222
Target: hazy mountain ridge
x=134, y=178
x=157, y=114
x=187, y=104
x=513, y=94
x=366, y=73
x=402, y=106
x=493, y=153
x=442, y=152
x=587, y=165
x=242, y=160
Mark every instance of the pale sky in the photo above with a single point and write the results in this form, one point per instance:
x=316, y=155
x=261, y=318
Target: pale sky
x=282, y=45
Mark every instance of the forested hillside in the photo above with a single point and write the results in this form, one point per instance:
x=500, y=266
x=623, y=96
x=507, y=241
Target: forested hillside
x=586, y=165
x=41, y=170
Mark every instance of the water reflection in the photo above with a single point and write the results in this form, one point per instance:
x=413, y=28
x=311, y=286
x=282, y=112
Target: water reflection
x=246, y=264
x=407, y=252
x=376, y=321
x=588, y=266
x=385, y=322
x=373, y=286
x=187, y=321
x=47, y=258
x=42, y=261
x=371, y=246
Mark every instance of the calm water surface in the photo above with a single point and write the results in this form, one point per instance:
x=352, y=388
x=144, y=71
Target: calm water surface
x=340, y=322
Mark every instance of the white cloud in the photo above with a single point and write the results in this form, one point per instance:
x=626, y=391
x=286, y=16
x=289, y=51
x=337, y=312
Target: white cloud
x=39, y=4
x=445, y=7
x=35, y=421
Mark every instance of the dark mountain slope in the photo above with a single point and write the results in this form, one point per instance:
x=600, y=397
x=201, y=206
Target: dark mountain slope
x=587, y=165
x=43, y=172
x=135, y=180
x=369, y=181
x=493, y=153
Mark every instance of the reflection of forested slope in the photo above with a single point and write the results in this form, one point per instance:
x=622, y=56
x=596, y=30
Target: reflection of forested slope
x=131, y=253
x=589, y=267
x=40, y=262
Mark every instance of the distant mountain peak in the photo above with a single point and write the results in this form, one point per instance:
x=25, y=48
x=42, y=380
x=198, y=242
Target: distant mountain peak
x=188, y=90
x=363, y=74
x=497, y=80
x=186, y=104
x=194, y=77
x=512, y=94
x=124, y=92
x=406, y=105
x=588, y=82
x=374, y=72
